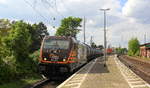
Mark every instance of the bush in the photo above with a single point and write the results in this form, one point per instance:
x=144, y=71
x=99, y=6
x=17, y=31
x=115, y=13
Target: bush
x=8, y=70
x=15, y=59
x=35, y=56
x=133, y=47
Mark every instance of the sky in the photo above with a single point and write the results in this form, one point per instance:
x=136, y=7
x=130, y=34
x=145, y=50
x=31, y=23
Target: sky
x=125, y=19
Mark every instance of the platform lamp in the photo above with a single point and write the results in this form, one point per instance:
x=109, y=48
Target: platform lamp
x=105, y=40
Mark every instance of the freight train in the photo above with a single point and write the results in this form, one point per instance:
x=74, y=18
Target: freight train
x=62, y=55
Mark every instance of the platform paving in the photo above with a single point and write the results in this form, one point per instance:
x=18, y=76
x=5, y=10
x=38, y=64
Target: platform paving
x=95, y=75
x=105, y=77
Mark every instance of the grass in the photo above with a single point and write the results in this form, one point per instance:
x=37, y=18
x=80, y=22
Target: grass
x=21, y=83
x=144, y=58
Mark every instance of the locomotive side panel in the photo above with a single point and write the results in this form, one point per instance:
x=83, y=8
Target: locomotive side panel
x=62, y=55
x=82, y=51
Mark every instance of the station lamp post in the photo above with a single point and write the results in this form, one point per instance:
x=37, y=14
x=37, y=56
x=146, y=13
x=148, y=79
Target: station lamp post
x=105, y=40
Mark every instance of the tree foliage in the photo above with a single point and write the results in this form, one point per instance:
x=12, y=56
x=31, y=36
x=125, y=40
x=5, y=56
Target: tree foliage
x=38, y=31
x=19, y=39
x=16, y=59
x=5, y=26
x=69, y=27
x=133, y=47
x=93, y=45
x=121, y=50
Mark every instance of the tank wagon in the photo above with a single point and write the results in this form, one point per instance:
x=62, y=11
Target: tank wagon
x=62, y=55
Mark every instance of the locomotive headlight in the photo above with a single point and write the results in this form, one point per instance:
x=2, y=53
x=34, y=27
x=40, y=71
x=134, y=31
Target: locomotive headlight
x=45, y=59
x=64, y=59
x=55, y=51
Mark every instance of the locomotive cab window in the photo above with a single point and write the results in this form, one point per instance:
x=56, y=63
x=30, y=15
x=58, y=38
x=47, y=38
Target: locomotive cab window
x=62, y=44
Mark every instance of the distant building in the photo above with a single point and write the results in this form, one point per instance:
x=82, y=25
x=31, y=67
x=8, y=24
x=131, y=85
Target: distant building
x=145, y=50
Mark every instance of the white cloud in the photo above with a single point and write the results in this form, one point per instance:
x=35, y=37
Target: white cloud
x=122, y=32
x=122, y=25
x=3, y=1
x=138, y=9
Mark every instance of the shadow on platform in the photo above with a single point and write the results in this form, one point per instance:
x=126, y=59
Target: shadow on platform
x=97, y=68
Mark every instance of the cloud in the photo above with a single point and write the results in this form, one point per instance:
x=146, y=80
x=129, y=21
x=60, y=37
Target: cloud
x=138, y=9
x=122, y=32
x=3, y=1
x=125, y=20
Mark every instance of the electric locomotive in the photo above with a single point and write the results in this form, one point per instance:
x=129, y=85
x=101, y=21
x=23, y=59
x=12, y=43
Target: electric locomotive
x=62, y=55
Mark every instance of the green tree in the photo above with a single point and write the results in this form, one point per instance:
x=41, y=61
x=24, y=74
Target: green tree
x=1, y=49
x=19, y=39
x=121, y=50
x=16, y=60
x=69, y=27
x=38, y=31
x=17, y=43
x=133, y=47
x=5, y=26
x=93, y=45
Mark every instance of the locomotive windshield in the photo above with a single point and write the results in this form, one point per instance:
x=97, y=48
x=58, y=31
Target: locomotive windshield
x=62, y=44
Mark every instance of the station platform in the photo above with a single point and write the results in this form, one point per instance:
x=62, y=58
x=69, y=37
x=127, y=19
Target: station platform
x=95, y=75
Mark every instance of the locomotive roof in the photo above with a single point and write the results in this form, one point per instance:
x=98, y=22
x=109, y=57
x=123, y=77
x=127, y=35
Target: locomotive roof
x=65, y=38
x=57, y=37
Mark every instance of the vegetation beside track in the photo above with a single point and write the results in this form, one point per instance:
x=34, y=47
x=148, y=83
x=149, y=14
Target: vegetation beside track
x=138, y=58
x=21, y=83
x=19, y=51
x=133, y=47
x=19, y=48
x=143, y=58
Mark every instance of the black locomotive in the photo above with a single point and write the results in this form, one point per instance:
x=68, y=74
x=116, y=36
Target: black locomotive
x=62, y=55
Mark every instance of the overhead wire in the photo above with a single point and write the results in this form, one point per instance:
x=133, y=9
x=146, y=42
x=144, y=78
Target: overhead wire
x=54, y=7
x=50, y=14
x=57, y=9
x=36, y=10
x=47, y=2
x=34, y=3
x=47, y=8
x=64, y=5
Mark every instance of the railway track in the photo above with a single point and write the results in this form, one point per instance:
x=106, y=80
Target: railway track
x=37, y=84
x=140, y=67
x=46, y=83
x=40, y=83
